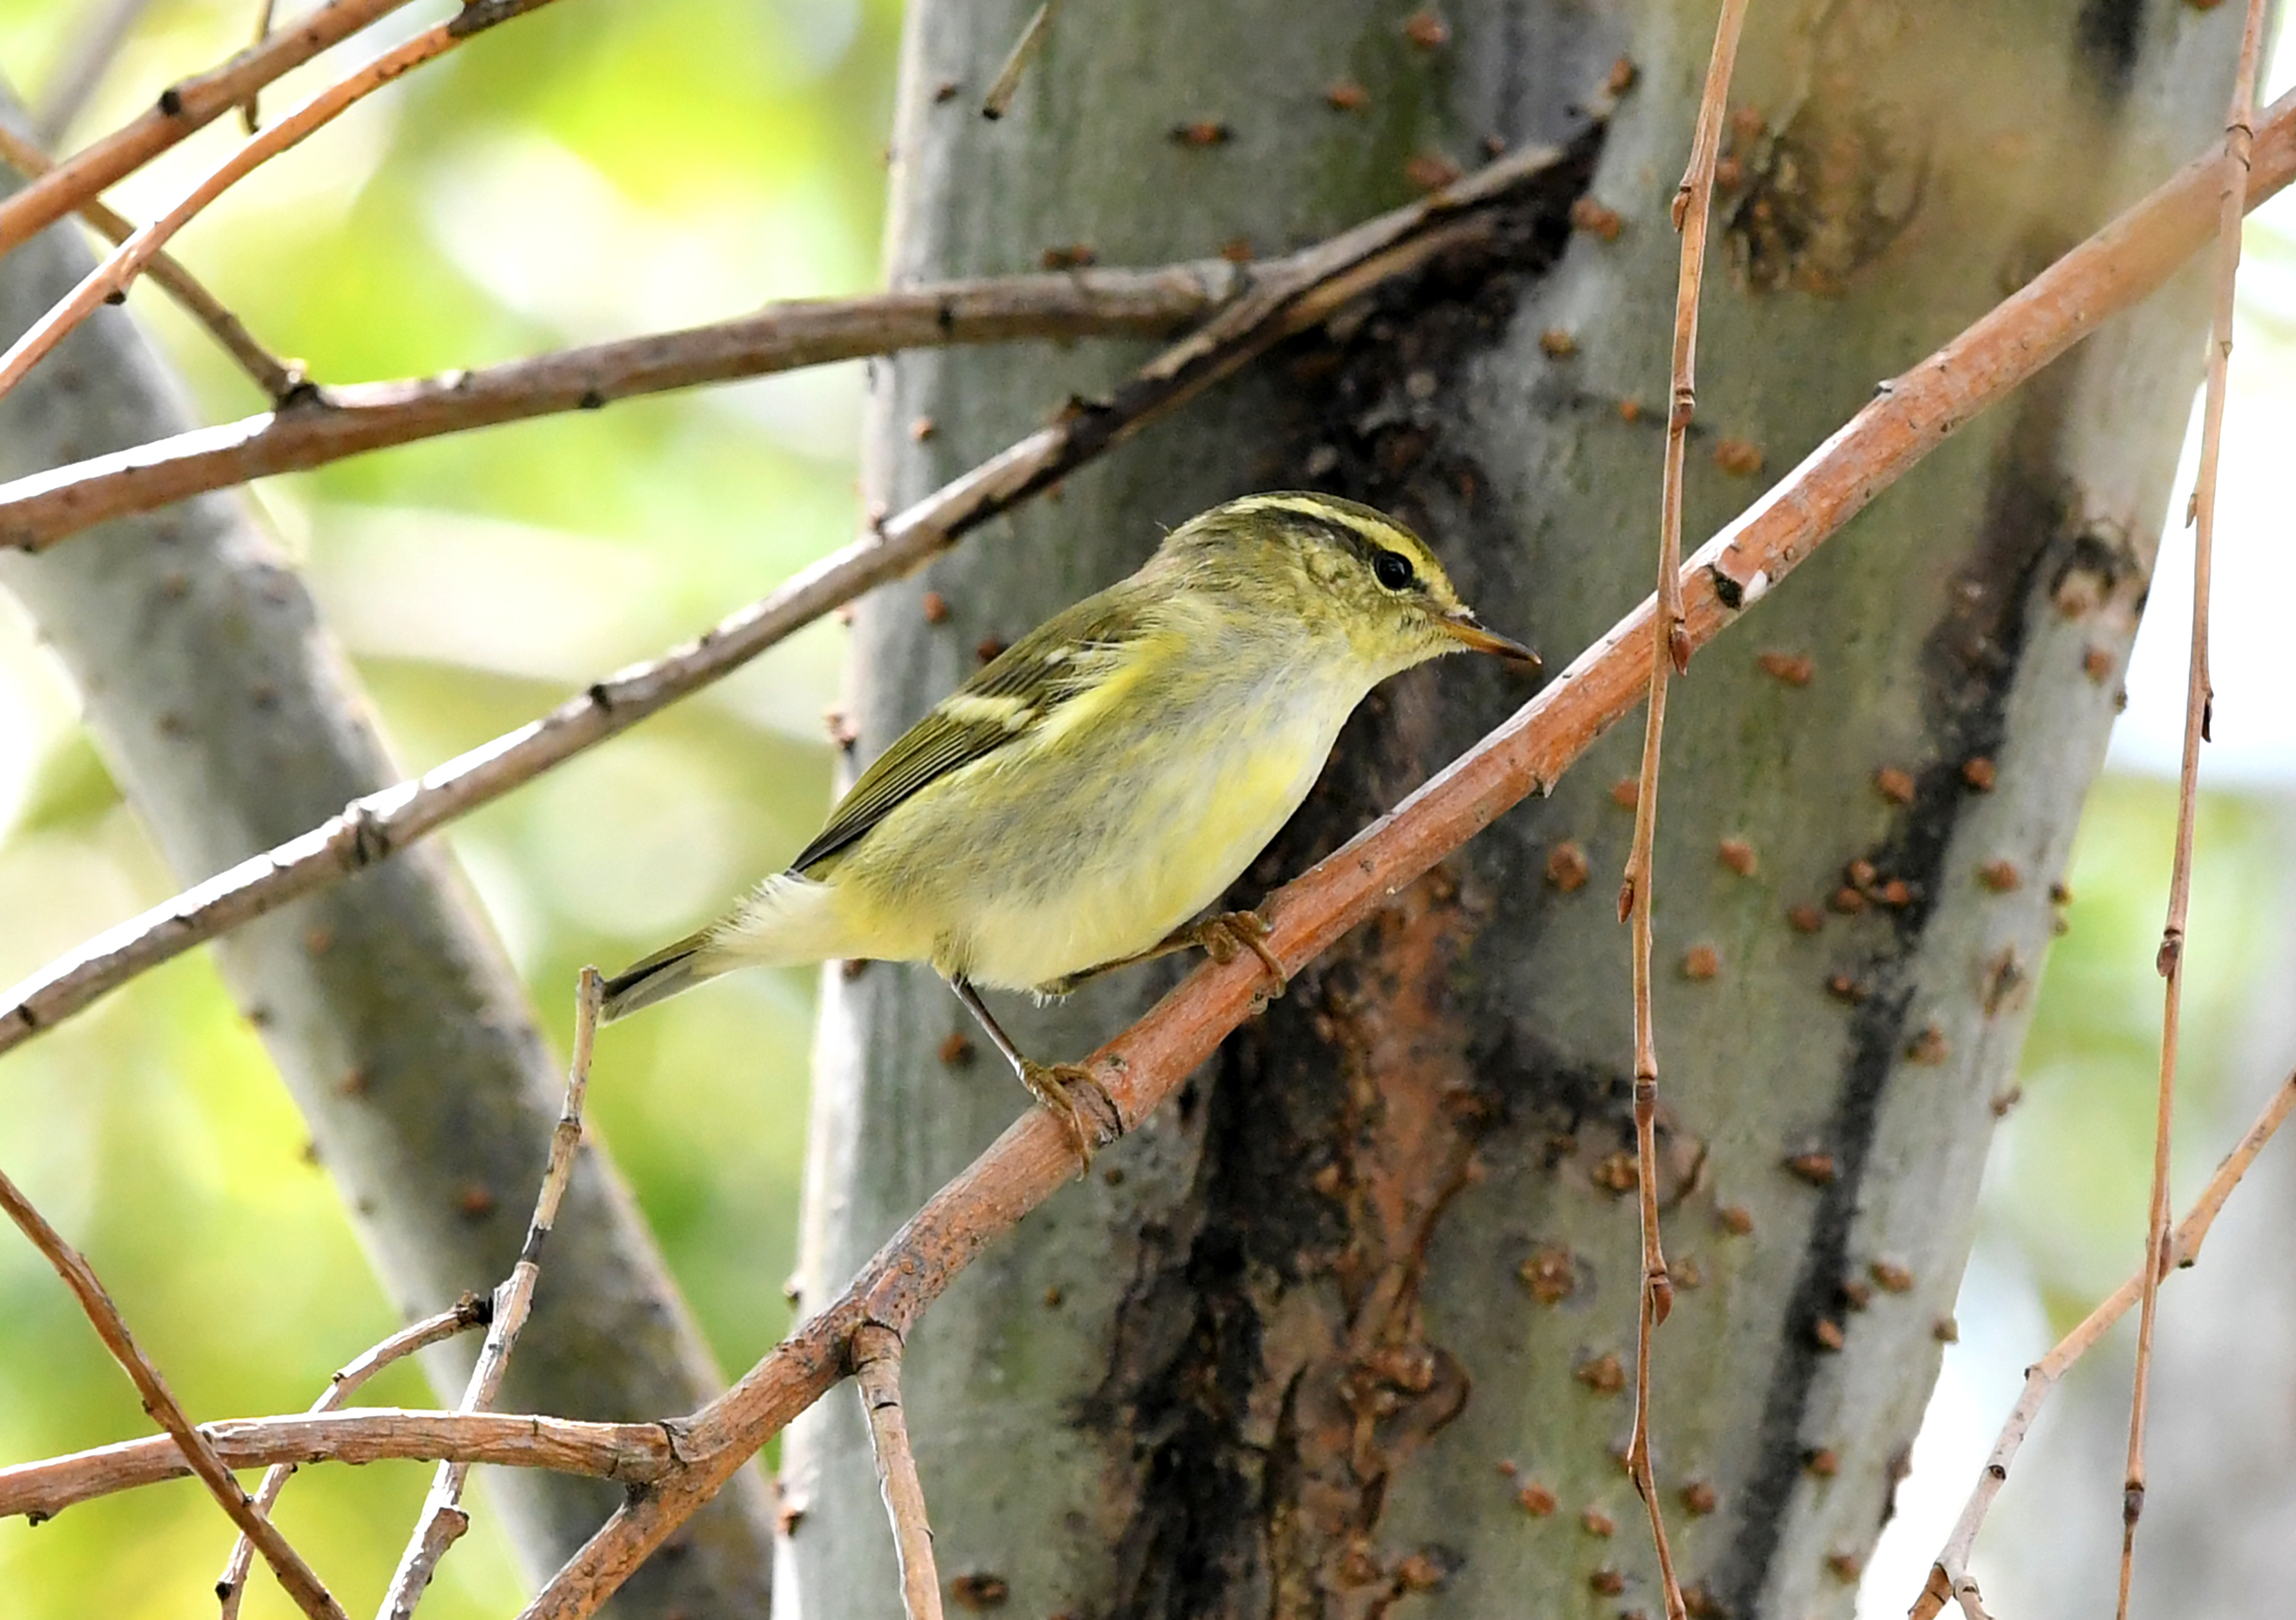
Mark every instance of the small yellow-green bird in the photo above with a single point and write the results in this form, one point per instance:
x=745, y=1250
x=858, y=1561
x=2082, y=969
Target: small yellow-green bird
x=1071, y=807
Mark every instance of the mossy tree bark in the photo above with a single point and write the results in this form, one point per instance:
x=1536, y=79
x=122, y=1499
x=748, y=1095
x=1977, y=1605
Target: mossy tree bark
x=1311, y=1341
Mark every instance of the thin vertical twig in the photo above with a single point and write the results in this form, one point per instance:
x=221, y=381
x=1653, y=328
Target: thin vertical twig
x=277, y=378
x=443, y=1520
x=1949, y=1579
x=113, y=276
x=310, y=1594
x=2240, y=138
x=470, y=1312
x=1669, y=655
x=877, y=1369
x=251, y=114
x=1024, y=52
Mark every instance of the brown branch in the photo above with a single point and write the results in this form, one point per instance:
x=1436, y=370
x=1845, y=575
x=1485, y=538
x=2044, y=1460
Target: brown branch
x=1950, y=1578
x=628, y=1453
x=310, y=1594
x=443, y=1521
x=877, y=1369
x=2232, y=169
x=1016, y=63
x=1669, y=653
x=182, y=108
x=111, y=279
x=1036, y=1155
x=1311, y=288
x=468, y=1312
x=275, y=377
x=323, y=425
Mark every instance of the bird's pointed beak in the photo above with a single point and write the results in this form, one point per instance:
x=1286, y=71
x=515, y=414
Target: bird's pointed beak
x=1463, y=628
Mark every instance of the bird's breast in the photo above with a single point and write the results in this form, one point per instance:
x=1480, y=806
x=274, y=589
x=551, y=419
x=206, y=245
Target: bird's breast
x=1149, y=826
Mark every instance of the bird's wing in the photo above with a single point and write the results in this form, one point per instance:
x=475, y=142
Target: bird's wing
x=1003, y=703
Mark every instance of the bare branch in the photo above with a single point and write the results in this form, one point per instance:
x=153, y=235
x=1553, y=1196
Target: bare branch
x=2232, y=183
x=275, y=377
x=310, y=1594
x=183, y=107
x=1313, y=286
x=628, y=1453
x=1670, y=653
x=111, y=279
x=1950, y=1578
x=1036, y=1155
x=470, y=1312
x=877, y=1369
x=443, y=1521
x=323, y=425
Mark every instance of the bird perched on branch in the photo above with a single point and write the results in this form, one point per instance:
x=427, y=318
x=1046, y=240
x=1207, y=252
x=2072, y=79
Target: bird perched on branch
x=1072, y=806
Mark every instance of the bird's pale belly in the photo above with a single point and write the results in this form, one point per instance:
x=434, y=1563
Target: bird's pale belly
x=1141, y=882
x=1042, y=891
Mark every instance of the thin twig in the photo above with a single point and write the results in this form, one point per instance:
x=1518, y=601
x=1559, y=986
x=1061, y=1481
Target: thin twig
x=2239, y=137
x=275, y=377
x=1036, y=1157
x=1024, y=52
x=443, y=1520
x=310, y=1594
x=95, y=46
x=1669, y=655
x=470, y=1312
x=1313, y=287
x=1950, y=1578
x=877, y=1369
x=251, y=112
x=326, y=424
x=109, y=280
x=184, y=106
x=627, y=1453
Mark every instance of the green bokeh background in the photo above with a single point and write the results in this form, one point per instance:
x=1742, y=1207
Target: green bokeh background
x=592, y=171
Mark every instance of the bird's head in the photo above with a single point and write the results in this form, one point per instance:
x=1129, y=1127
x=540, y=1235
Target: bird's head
x=1337, y=567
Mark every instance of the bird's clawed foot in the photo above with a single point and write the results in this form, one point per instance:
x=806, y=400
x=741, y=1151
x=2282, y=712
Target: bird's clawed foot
x=1079, y=1101
x=1224, y=935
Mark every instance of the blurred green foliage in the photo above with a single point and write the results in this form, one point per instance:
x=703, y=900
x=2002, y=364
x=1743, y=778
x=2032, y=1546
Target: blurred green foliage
x=593, y=171
x=588, y=172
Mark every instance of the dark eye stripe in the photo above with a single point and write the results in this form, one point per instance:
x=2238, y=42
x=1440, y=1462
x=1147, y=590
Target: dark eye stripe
x=1363, y=542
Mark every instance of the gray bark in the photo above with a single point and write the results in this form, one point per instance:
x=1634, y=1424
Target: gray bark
x=233, y=721
x=1296, y=1348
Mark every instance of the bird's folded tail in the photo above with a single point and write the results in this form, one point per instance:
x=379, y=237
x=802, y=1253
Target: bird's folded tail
x=661, y=976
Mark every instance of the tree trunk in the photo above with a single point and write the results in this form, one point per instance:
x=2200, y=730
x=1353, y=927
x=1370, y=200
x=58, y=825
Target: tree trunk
x=233, y=722
x=1346, y=1322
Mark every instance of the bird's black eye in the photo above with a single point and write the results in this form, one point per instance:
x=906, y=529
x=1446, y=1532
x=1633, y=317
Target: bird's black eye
x=1393, y=569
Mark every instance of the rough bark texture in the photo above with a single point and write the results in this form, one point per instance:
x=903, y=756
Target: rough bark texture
x=233, y=722
x=1344, y=1324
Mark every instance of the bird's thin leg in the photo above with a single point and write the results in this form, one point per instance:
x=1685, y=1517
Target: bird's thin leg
x=1217, y=937
x=1069, y=1089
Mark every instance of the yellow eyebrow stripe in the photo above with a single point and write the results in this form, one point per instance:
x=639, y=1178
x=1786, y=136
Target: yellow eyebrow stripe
x=1301, y=505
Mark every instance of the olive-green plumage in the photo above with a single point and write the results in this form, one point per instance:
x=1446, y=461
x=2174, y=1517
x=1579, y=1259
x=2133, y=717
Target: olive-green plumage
x=1107, y=777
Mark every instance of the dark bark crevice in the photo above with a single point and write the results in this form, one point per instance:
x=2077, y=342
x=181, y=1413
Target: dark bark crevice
x=1341, y=1125
x=2029, y=554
